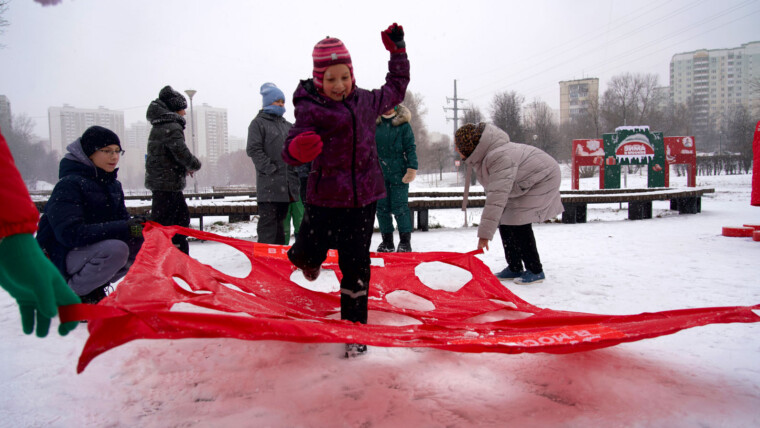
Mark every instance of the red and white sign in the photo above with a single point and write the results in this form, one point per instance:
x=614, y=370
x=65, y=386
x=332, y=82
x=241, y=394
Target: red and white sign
x=635, y=147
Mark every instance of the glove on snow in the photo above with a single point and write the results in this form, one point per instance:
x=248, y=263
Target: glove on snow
x=410, y=175
x=32, y=279
x=306, y=146
x=393, y=38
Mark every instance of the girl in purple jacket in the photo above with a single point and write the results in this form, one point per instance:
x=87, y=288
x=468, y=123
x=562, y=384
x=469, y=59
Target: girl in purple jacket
x=335, y=131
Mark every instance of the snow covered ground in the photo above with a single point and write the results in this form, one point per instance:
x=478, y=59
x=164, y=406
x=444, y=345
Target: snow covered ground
x=706, y=376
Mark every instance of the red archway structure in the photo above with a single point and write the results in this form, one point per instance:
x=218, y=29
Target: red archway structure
x=588, y=152
x=681, y=150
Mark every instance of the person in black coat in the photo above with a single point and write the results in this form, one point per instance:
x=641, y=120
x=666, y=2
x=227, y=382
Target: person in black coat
x=168, y=162
x=85, y=228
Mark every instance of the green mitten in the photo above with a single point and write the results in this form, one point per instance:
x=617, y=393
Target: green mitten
x=35, y=283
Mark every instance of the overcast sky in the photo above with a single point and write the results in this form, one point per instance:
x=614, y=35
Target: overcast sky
x=118, y=54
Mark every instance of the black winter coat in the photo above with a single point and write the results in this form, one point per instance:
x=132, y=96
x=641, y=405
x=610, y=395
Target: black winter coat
x=168, y=160
x=86, y=206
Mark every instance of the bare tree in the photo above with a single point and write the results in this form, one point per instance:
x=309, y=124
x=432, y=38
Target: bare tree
x=33, y=160
x=738, y=127
x=3, y=22
x=415, y=104
x=630, y=99
x=506, y=114
x=439, y=155
x=540, y=122
x=235, y=168
x=472, y=114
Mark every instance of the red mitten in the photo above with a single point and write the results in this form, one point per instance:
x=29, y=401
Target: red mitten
x=305, y=147
x=393, y=38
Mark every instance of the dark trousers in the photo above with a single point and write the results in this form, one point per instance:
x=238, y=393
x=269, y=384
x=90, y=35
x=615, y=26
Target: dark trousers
x=520, y=248
x=349, y=230
x=170, y=209
x=397, y=203
x=270, y=227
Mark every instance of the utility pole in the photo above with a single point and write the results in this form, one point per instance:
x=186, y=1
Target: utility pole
x=456, y=108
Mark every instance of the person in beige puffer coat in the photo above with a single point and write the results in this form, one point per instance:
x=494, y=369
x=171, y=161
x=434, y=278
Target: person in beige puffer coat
x=522, y=187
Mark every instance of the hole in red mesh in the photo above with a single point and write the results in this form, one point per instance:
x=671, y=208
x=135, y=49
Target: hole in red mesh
x=500, y=315
x=185, y=286
x=406, y=300
x=224, y=258
x=442, y=276
x=236, y=288
x=327, y=282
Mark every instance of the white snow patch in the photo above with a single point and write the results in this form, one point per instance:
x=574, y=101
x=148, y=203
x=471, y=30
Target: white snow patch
x=442, y=276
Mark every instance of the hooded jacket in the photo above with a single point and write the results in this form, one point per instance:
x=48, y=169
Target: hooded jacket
x=276, y=181
x=346, y=174
x=395, y=145
x=521, y=182
x=85, y=207
x=168, y=160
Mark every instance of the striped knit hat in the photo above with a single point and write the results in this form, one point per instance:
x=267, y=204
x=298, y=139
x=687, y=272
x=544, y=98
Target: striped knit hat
x=330, y=51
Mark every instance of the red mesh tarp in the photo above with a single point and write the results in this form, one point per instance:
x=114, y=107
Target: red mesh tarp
x=267, y=305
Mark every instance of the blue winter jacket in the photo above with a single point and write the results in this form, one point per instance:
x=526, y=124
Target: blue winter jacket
x=347, y=173
x=86, y=206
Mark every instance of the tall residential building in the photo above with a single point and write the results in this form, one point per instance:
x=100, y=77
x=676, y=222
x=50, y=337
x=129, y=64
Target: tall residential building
x=237, y=143
x=132, y=164
x=714, y=80
x=211, y=139
x=68, y=123
x=575, y=96
x=5, y=113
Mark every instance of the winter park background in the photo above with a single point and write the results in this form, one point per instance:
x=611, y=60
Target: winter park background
x=706, y=376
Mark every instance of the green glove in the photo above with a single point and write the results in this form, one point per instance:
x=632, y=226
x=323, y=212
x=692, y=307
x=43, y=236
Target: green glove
x=35, y=283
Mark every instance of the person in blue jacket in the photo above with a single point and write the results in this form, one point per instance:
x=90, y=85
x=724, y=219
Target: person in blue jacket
x=86, y=229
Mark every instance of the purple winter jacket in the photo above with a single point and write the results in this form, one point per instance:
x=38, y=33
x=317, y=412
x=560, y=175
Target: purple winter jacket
x=347, y=173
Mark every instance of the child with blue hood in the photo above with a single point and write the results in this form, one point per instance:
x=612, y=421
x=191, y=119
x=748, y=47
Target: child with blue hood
x=277, y=184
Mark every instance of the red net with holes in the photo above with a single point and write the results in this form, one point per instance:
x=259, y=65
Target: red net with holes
x=267, y=305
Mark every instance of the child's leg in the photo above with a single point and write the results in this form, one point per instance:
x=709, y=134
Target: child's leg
x=286, y=224
x=511, y=248
x=313, y=239
x=384, y=219
x=95, y=265
x=271, y=221
x=399, y=199
x=170, y=209
x=353, y=257
x=134, y=247
x=297, y=210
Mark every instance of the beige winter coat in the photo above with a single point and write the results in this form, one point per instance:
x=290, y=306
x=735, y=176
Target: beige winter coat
x=521, y=182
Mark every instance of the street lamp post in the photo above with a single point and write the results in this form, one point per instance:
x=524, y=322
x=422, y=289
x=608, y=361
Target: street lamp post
x=720, y=143
x=190, y=93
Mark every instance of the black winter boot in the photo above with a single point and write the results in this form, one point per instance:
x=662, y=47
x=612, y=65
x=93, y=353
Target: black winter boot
x=387, y=245
x=405, y=245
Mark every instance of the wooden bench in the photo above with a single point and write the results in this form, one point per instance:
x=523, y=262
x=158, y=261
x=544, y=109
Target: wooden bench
x=686, y=201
